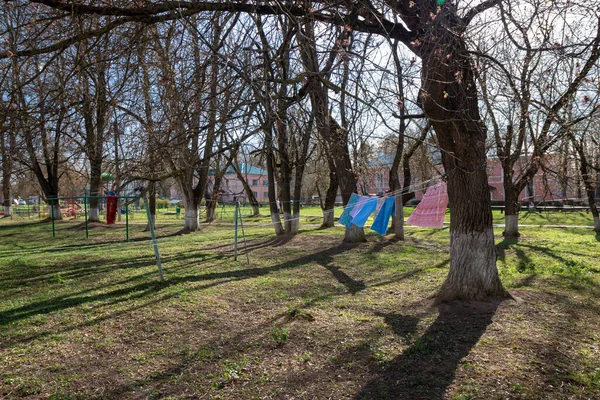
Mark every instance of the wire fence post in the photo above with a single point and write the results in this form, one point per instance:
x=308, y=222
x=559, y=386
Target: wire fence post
x=244, y=236
x=235, y=227
x=154, y=243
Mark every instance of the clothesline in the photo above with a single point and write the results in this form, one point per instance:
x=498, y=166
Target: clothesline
x=429, y=213
x=412, y=188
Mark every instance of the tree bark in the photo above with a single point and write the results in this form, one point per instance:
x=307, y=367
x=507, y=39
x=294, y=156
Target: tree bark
x=511, y=207
x=449, y=99
x=212, y=199
x=273, y=209
x=329, y=203
x=95, y=184
x=191, y=221
x=151, y=204
x=588, y=178
x=7, y=147
x=394, y=181
x=398, y=223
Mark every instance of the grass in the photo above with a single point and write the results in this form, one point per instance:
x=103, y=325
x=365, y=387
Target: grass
x=307, y=317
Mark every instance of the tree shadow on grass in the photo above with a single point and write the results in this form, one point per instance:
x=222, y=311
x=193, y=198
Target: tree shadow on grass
x=382, y=244
x=21, y=274
x=23, y=338
x=504, y=245
x=428, y=366
x=275, y=241
x=138, y=290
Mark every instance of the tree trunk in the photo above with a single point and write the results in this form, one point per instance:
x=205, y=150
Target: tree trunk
x=511, y=208
x=407, y=181
x=192, y=217
x=7, y=146
x=597, y=168
x=95, y=187
x=211, y=209
x=407, y=175
x=212, y=199
x=6, y=194
x=151, y=204
x=449, y=99
x=273, y=209
x=398, y=219
x=284, y=174
x=394, y=181
x=299, y=172
x=354, y=234
x=328, y=218
x=330, y=195
x=588, y=180
x=54, y=211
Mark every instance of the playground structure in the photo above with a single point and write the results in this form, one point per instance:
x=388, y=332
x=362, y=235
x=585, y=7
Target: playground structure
x=70, y=207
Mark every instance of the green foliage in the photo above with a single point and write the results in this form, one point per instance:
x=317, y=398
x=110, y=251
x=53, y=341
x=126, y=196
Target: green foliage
x=162, y=204
x=280, y=335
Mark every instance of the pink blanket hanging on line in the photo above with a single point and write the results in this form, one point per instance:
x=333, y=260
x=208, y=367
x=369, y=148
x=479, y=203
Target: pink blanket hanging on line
x=431, y=210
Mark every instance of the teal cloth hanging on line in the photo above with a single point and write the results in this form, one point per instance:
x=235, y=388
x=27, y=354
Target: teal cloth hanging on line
x=367, y=209
x=345, y=217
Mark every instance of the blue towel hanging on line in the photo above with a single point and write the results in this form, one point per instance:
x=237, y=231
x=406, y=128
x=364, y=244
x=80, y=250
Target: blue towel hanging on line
x=367, y=209
x=380, y=224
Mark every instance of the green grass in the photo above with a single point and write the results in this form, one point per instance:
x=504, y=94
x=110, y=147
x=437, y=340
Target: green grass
x=305, y=317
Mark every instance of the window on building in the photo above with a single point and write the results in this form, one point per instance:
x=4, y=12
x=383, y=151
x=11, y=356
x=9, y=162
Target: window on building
x=254, y=182
x=266, y=195
x=255, y=194
x=265, y=183
x=379, y=179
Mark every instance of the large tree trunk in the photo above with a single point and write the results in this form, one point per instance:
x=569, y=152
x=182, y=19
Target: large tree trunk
x=449, y=99
x=191, y=221
x=54, y=210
